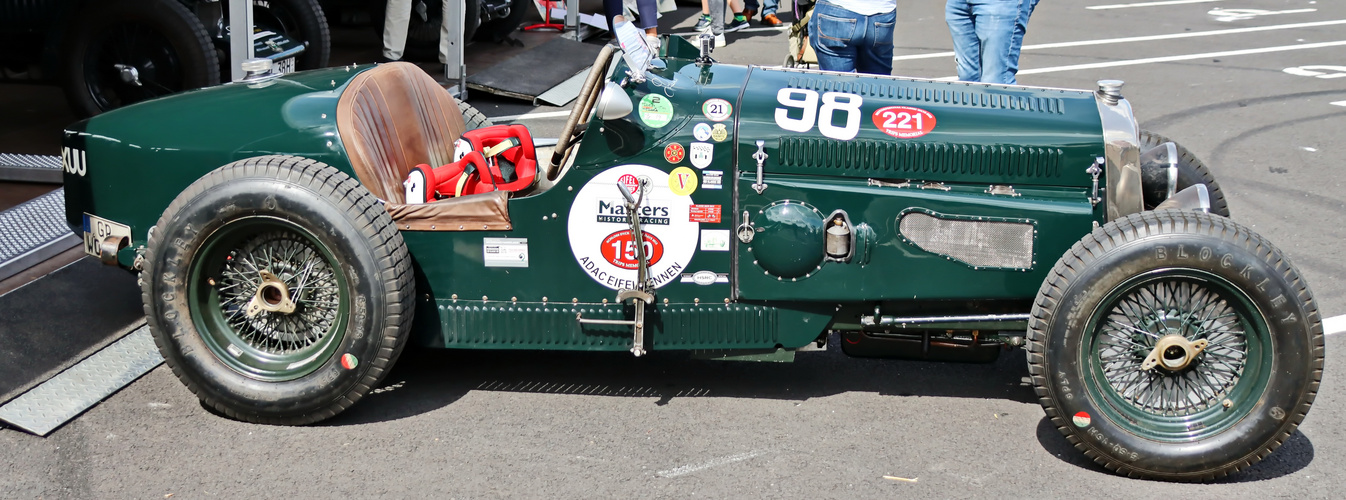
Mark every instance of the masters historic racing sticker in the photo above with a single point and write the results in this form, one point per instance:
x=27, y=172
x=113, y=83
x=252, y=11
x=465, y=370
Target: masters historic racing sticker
x=601, y=239
x=904, y=122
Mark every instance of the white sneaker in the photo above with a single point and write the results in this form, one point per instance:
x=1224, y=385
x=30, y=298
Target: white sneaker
x=654, y=43
x=719, y=41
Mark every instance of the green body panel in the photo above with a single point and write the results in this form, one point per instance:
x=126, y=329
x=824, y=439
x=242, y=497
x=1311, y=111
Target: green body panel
x=142, y=156
x=896, y=268
x=987, y=134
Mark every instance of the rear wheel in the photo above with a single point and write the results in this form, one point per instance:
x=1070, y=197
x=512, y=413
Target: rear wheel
x=1175, y=345
x=472, y=117
x=301, y=20
x=126, y=51
x=1191, y=171
x=278, y=290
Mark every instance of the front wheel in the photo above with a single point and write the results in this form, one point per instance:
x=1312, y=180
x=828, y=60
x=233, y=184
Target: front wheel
x=278, y=290
x=1175, y=345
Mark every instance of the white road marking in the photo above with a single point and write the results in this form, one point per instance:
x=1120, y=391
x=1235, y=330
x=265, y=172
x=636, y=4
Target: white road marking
x=529, y=116
x=688, y=469
x=1339, y=103
x=1227, y=15
x=1335, y=324
x=1187, y=57
x=1148, y=38
x=1147, y=4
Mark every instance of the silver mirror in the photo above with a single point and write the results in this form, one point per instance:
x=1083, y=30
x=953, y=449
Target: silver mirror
x=613, y=103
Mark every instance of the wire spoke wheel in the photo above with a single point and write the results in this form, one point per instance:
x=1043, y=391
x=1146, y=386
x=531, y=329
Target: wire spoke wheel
x=1133, y=327
x=1175, y=345
x=268, y=343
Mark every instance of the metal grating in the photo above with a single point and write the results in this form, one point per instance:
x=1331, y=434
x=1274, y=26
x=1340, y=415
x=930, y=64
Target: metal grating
x=978, y=97
x=977, y=243
x=920, y=159
x=32, y=224
x=30, y=161
x=31, y=168
x=77, y=389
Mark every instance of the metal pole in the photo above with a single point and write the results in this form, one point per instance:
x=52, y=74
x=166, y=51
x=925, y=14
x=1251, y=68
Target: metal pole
x=573, y=19
x=453, y=62
x=240, y=36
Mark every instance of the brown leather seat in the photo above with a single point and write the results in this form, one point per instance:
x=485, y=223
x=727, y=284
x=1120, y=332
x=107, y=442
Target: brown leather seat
x=394, y=117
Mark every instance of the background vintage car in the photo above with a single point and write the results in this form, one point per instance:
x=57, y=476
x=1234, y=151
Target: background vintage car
x=280, y=288
x=110, y=54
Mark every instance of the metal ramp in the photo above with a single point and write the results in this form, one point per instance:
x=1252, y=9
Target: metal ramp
x=30, y=168
x=78, y=312
x=552, y=72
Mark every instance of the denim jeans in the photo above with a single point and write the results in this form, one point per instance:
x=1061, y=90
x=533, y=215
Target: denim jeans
x=768, y=6
x=1020, y=28
x=983, y=38
x=849, y=42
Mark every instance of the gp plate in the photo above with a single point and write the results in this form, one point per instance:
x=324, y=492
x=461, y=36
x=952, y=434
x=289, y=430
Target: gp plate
x=97, y=229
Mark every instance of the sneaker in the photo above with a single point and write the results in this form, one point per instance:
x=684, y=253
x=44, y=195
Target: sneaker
x=702, y=24
x=736, y=25
x=654, y=43
x=771, y=20
x=719, y=41
x=748, y=13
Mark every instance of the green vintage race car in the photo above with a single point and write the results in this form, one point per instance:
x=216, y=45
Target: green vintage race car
x=294, y=233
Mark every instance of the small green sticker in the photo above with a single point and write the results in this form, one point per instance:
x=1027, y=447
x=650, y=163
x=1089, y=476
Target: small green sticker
x=655, y=110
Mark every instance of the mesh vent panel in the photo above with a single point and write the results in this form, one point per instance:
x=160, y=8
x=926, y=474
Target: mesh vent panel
x=1006, y=245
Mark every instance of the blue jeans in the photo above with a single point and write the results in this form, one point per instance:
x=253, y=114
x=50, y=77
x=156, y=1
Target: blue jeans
x=983, y=38
x=849, y=42
x=768, y=6
x=1020, y=28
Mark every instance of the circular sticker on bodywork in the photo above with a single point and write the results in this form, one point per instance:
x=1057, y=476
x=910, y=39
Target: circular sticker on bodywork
x=655, y=110
x=682, y=181
x=599, y=228
x=904, y=122
x=717, y=110
x=701, y=132
x=674, y=152
x=719, y=132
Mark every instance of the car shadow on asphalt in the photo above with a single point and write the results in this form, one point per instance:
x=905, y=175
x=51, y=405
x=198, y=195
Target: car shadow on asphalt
x=1295, y=454
x=424, y=380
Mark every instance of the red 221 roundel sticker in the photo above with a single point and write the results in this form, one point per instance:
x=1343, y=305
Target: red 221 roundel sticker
x=619, y=249
x=904, y=122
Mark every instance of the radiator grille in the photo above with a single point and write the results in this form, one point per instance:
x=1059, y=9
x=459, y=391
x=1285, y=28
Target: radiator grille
x=978, y=243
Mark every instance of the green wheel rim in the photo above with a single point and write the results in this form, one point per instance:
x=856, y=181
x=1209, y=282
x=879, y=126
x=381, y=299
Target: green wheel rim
x=1221, y=385
x=270, y=345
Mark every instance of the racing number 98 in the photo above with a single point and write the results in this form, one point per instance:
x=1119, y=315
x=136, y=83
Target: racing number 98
x=806, y=100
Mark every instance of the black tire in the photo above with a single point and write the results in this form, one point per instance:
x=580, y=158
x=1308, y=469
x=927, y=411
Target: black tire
x=474, y=118
x=1200, y=276
x=165, y=45
x=301, y=20
x=497, y=30
x=321, y=233
x=1191, y=171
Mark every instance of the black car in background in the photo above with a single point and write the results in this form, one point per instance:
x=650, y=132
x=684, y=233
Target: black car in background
x=107, y=54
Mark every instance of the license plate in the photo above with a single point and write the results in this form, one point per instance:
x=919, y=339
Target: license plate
x=285, y=66
x=98, y=229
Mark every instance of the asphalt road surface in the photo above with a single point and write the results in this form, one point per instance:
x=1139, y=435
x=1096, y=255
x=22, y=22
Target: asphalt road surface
x=1250, y=86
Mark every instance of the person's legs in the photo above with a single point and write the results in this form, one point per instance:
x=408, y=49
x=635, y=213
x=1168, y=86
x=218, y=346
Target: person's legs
x=831, y=33
x=994, y=23
x=1020, y=28
x=612, y=10
x=770, y=6
x=649, y=15
x=874, y=54
x=966, y=46
x=396, y=17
